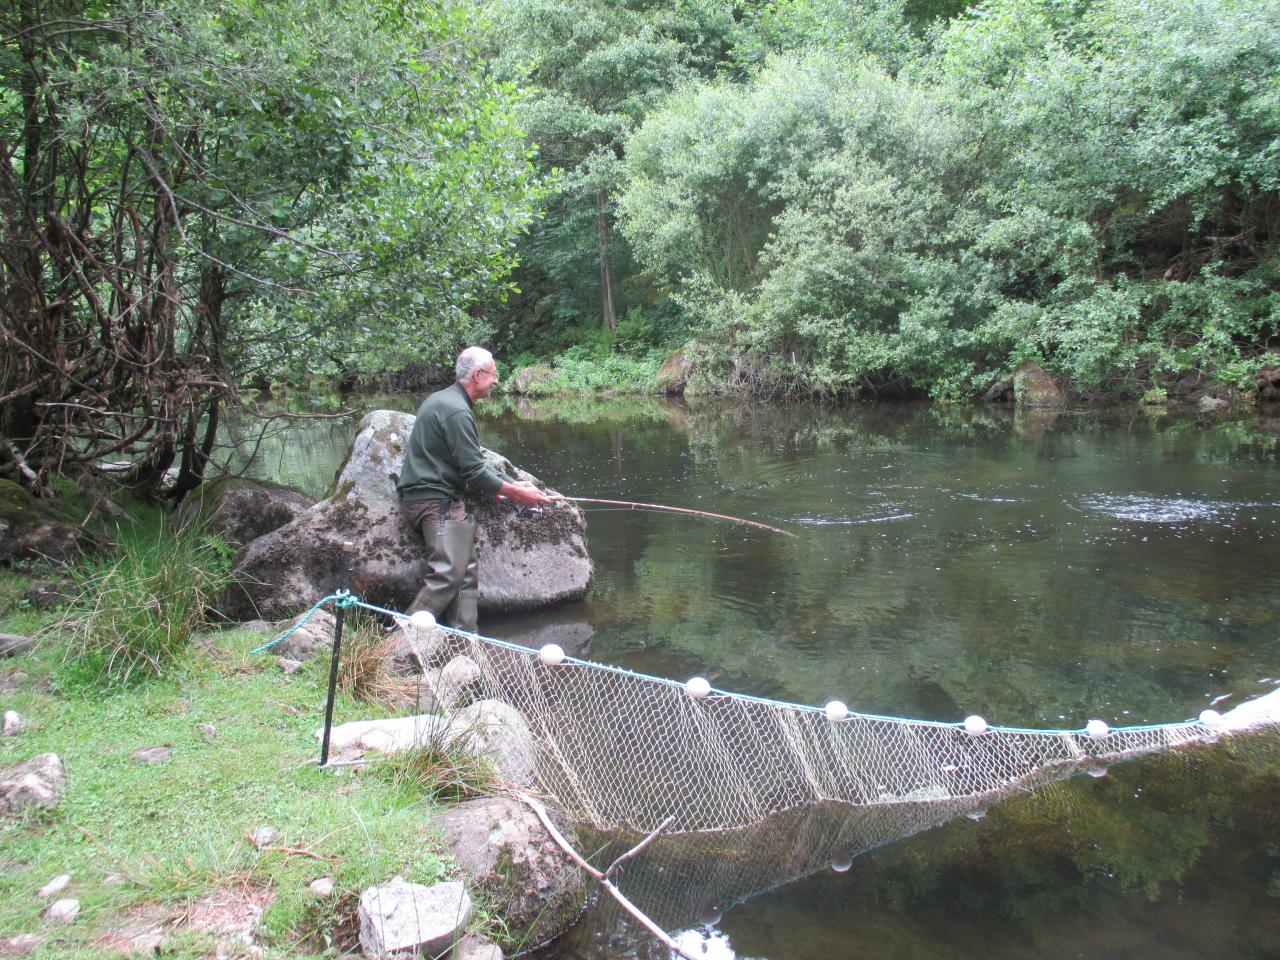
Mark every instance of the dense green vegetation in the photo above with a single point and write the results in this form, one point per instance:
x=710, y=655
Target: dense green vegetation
x=898, y=197
x=859, y=200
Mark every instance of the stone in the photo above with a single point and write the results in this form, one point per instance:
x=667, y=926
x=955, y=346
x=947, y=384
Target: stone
x=38, y=782
x=157, y=754
x=673, y=376
x=1213, y=405
x=13, y=723
x=538, y=379
x=289, y=666
x=54, y=886
x=34, y=529
x=1033, y=388
x=208, y=732
x=528, y=559
x=999, y=392
x=323, y=887
x=241, y=510
x=502, y=846
x=459, y=683
x=315, y=637
x=21, y=945
x=416, y=651
x=63, y=911
x=12, y=681
x=14, y=643
x=47, y=594
x=400, y=916
x=263, y=837
x=262, y=627
x=497, y=730
x=473, y=947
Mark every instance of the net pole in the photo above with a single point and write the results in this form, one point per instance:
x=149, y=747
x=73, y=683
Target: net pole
x=339, y=615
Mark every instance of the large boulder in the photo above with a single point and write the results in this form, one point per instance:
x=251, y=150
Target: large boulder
x=673, y=375
x=1035, y=389
x=504, y=849
x=241, y=510
x=32, y=529
x=528, y=558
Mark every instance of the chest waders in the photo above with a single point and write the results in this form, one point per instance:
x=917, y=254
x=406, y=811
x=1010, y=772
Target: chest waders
x=451, y=590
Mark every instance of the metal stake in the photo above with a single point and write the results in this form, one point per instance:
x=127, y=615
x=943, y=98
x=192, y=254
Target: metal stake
x=339, y=615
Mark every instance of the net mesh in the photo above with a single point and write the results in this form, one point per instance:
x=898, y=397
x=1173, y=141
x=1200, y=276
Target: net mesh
x=620, y=749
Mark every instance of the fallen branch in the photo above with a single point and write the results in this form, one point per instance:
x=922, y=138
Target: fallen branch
x=604, y=881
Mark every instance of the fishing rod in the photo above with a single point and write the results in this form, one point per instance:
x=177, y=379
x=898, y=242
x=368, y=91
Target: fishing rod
x=666, y=509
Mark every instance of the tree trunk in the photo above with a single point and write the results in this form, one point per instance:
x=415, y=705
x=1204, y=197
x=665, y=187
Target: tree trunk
x=606, y=271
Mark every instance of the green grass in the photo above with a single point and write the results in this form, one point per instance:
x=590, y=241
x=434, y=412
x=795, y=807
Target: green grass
x=176, y=830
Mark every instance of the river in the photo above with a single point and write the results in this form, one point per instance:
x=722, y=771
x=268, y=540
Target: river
x=1038, y=570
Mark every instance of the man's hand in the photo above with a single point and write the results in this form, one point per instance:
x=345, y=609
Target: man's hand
x=524, y=493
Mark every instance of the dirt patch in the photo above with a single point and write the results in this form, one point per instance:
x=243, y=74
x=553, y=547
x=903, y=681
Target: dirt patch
x=142, y=930
x=231, y=914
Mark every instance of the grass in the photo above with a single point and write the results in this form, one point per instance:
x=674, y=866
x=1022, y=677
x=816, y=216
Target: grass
x=135, y=836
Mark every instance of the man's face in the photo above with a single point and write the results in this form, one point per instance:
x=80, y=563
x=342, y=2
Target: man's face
x=485, y=379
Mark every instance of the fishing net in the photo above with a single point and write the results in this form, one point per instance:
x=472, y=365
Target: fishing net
x=619, y=749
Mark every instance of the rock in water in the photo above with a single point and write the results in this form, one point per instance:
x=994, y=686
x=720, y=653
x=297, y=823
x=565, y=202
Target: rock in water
x=411, y=917
x=528, y=559
x=1033, y=388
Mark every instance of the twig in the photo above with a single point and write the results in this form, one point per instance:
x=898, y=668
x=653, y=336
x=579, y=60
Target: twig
x=298, y=851
x=640, y=846
x=613, y=891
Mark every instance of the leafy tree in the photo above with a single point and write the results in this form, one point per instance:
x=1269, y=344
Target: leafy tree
x=191, y=189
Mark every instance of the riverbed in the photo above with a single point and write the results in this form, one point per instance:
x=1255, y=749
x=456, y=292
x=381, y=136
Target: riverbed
x=1039, y=570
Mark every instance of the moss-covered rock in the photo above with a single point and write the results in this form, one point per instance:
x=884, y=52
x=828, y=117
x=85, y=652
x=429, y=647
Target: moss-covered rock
x=241, y=510
x=32, y=529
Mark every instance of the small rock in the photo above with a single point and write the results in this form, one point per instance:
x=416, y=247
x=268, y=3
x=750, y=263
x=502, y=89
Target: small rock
x=13, y=643
x=472, y=947
x=409, y=916
x=54, y=886
x=322, y=887
x=38, y=782
x=263, y=836
x=63, y=911
x=21, y=945
x=208, y=731
x=460, y=683
x=262, y=627
x=12, y=681
x=13, y=723
x=289, y=666
x=159, y=754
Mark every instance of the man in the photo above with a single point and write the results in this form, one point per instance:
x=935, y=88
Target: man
x=442, y=463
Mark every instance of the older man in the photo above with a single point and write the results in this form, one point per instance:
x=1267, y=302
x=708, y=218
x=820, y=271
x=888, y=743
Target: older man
x=442, y=463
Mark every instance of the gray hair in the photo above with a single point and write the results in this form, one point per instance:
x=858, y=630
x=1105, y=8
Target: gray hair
x=469, y=360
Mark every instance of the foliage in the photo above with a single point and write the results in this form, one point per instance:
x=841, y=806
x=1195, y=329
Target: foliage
x=363, y=672
x=139, y=606
x=192, y=192
x=1093, y=187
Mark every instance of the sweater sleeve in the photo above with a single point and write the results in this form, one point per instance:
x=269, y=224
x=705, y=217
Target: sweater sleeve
x=464, y=444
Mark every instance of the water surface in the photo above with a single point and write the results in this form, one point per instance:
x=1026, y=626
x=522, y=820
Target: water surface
x=1040, y=571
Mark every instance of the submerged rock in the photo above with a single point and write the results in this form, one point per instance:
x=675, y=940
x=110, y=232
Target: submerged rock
x=505, y=850
x=528, y=559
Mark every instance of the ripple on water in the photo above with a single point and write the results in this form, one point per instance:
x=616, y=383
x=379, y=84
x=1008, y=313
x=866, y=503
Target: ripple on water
x=1137, y=508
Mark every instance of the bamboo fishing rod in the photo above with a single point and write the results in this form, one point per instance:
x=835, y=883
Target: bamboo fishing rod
x=666, y=509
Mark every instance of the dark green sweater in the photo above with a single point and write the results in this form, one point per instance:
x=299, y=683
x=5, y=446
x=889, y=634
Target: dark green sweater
x=443, y=460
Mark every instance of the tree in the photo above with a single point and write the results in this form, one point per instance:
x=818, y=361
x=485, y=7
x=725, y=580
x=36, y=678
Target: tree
x=193, y=187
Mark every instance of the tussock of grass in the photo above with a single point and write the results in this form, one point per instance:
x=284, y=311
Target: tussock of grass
x=139, y=605
x=362, y=667
x=440, y=772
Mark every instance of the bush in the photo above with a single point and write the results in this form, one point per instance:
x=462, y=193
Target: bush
x=136, y=610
